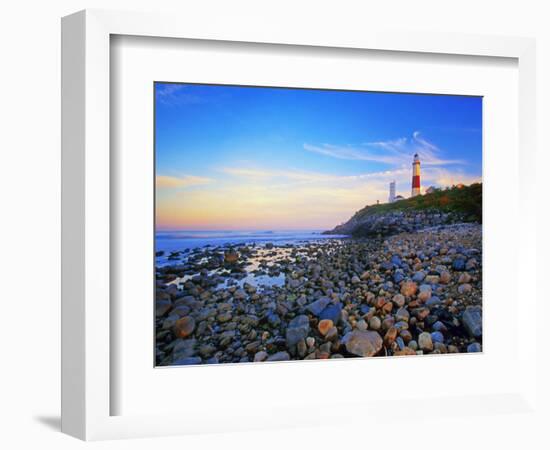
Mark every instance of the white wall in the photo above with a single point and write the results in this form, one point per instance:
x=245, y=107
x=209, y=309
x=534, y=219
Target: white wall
x=29, y=225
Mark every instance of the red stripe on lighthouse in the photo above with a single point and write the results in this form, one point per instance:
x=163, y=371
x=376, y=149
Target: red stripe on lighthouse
x=416, y=181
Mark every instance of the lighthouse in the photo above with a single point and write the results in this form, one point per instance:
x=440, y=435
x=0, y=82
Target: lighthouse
x=391, y=198
x=416, y=176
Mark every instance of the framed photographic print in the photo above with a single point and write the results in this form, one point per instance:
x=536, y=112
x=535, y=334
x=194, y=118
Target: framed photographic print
x=298, y=224
x=249, y=214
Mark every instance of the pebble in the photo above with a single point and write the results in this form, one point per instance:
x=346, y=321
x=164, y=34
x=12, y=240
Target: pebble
x=184, y=327
x=260, y=356
x=464, y=278
x=325, y=325
x=399, y=300
x=375, y=323
x=332, y=312
x=318, y=306
x=474, y=347
x=298, y=328
x=425, y=341
x=464, y=288
x=459, y=264
x=332, y=334
x=409, y=288
x=437, y=336
x=279, y=356
x=472, y=321
x=402, y=314
x=445, y=277
x=419, y=276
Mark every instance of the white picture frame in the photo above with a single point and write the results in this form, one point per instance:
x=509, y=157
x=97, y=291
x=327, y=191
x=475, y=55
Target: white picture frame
x=86, y=219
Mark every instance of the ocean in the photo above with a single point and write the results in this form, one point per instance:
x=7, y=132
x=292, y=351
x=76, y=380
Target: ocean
x=170, y=241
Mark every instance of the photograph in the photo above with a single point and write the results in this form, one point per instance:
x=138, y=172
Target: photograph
x=294, y=223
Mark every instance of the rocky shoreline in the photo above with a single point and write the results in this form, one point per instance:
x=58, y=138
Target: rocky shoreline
x=413, y=293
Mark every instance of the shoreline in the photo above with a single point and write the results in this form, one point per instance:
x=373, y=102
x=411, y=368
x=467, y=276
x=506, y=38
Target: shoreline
x=408, y=294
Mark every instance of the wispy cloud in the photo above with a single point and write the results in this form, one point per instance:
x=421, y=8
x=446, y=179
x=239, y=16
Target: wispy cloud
x=395, y=152
x=176, y=94
x=168, y=182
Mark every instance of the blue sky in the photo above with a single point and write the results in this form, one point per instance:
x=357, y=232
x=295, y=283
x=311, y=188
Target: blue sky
x=217, y=143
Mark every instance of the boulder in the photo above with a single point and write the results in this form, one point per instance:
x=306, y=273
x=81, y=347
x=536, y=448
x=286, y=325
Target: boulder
x=332, y=312
x=298, y=328
x=317, y=306
x=363, y=343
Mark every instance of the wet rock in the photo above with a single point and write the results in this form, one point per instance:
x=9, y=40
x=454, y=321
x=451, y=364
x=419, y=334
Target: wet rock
x=472, y=321
x=318, y=306
x=184, y=327
x=425, y=342
x=445, y=277
x=409, y=288
x=363, y=343
x=390, y=336
x=425, y=292
x=279, y=356
x=332, y=334
x=437, y=336
x=465, y=288
x=464, y=278
x=474, y=347
x=332, y=312
x=375, y=323
x=162, y=306
x=231, y=256
x=459, y=264
x=224, y=317
x=399, y=300
x=407, y=351
x=301, y=348
x=184, y=348
x=361, y=325
x=433, y=301
x=187, y=361
x=239, y=294
x=419, y=276
x=260, y=356
x=324, y=326
x=298, y=328
x=402, y=314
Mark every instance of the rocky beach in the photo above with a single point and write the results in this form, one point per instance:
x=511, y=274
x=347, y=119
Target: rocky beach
x=410, y=290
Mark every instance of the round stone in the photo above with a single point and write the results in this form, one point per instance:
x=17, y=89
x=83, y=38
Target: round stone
x=184, y=327
x=425, y=342
x=375, y=323
x=363, y=343
x=409, y=288
x=325, y=325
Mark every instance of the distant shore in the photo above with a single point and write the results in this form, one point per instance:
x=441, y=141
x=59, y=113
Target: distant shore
x=409, y=294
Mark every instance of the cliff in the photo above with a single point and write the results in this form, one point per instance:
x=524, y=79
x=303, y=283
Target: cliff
x=445, y=206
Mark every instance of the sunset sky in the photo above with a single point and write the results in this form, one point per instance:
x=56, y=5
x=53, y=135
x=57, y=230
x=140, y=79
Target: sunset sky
x=247, y=158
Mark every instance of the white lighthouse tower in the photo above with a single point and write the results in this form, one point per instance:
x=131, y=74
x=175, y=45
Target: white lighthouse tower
x=416, y=176
x=391, y=198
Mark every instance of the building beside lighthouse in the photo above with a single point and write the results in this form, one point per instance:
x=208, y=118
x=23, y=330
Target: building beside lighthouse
x=416, y=176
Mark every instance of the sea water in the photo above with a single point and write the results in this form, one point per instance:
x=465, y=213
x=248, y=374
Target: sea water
x=172, y=241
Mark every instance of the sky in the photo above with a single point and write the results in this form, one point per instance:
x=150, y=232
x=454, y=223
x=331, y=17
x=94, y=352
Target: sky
x=257, y=158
